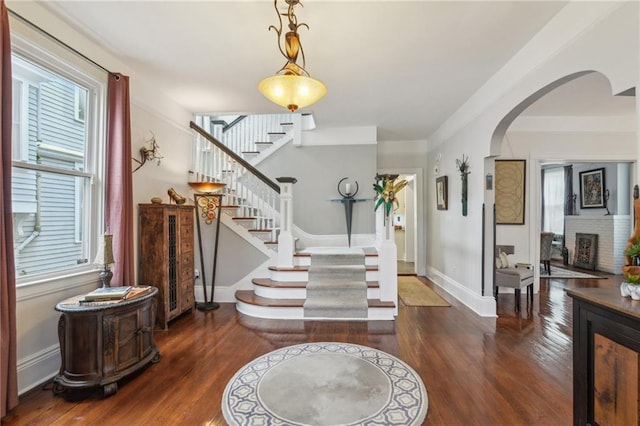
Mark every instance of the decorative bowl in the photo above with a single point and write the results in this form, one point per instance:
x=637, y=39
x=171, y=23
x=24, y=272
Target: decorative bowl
x=207, y=187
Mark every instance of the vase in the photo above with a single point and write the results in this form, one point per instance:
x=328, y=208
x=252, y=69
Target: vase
x=635, y=291
x=464, y=192
x=624, y=289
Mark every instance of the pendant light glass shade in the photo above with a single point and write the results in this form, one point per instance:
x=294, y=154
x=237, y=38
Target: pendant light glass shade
x=292, y=91
x=291, y=87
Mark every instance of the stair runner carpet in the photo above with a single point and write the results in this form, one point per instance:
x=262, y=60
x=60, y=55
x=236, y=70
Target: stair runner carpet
x=337, y=286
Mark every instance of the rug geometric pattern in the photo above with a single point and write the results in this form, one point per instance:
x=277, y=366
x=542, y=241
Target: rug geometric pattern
x=557, y=272
x=404, y=401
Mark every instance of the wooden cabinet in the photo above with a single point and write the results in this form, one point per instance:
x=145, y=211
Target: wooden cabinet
x=166, y=257
x=606, y=357
x=100, y=343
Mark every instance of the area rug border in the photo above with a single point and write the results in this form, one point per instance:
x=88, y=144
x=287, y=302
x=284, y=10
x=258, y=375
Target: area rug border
x=408, y=403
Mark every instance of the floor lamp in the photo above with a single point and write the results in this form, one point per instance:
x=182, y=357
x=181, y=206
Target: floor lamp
x=209, y=208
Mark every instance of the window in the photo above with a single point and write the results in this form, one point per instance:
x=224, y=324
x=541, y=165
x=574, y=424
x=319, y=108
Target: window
x=553, y=220
x=57, y=156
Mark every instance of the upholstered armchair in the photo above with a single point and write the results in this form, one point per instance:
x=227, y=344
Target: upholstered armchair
x=546, y=240
x=517, y=276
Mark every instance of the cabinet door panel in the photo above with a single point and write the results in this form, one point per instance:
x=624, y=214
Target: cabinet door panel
x=128, y=339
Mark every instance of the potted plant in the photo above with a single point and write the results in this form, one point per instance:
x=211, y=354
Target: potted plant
x=633, y=251
x=386, y=190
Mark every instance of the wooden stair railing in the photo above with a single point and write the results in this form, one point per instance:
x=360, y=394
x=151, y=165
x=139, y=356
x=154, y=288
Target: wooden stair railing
x=248, y=189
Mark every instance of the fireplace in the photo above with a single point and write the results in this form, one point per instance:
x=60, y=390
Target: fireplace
x=586, y=251
x=613, y=233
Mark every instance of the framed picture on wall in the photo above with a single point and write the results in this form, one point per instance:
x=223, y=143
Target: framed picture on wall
x=441, y=193
x=592, y=189
x=510, y=191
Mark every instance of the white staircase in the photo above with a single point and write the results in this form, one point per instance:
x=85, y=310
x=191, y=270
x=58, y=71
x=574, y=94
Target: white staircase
x=283, y=293
x=253, y=206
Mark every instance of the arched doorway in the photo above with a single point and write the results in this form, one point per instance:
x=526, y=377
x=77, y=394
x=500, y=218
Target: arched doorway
x=573, y=120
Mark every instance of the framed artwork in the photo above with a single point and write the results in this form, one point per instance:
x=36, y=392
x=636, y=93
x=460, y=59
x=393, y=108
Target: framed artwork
x=442, y=193
x=592, y=189
x=510, y=184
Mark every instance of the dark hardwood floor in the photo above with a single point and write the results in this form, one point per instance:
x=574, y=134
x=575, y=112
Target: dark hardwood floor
x=511, y=370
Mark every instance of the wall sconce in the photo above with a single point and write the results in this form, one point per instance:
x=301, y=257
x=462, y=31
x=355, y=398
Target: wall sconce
x=150, y=151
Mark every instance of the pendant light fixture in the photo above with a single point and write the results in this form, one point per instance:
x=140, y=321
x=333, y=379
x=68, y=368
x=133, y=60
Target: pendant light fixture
x=292, y=87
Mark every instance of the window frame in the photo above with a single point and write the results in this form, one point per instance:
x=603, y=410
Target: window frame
x=52, y=57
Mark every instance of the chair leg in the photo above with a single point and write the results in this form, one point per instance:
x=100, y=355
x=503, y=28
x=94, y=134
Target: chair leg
x=547, y=267
x=495, y=295
x=517, y=299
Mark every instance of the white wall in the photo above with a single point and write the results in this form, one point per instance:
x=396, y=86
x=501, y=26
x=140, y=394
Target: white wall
x=583, y=36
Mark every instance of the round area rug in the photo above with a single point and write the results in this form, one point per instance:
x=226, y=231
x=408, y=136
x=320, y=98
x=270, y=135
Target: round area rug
x=325, y=384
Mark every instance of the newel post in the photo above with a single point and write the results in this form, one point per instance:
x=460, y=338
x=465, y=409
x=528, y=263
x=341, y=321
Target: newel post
x=286, y=244
x=387, y=258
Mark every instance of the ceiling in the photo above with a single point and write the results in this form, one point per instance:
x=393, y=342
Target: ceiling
x=404, y=67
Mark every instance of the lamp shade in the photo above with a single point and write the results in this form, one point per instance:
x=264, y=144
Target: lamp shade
x=292, y=91
x=105, y=251
x=207, y=187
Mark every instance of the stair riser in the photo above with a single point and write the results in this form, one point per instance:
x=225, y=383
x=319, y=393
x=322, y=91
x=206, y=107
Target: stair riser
x=231, y=211
x=280, y=293
x=373, y=314
x=306, y=260
x=338, y=293
x=288, y=276
x=264, y=236
x=334, y=314
x=261, y=147
x=298, y=293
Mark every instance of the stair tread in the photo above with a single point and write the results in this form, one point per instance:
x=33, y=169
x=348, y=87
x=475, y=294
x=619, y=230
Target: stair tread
x=248, y=296
x=251, y=152
x=368, y=252
x=306, y=268
x=263, y=143
x=267, y=282
x=260, y=230
x=276, y=133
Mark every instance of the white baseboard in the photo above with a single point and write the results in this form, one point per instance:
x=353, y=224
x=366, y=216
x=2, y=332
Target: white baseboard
x=38, y=368
x=485, y=306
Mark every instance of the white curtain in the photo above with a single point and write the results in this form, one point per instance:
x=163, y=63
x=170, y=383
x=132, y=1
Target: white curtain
x=554, y=200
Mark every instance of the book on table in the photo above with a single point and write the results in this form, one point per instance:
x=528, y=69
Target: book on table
x=108, y=293
x=114, y=294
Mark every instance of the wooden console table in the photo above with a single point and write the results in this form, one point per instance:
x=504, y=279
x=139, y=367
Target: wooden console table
x=102, y=342
x=606, y=357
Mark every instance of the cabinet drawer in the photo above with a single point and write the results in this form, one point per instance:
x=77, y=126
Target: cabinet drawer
x=187, y=301
x=186, y=265
x=186, y=217
x=186, y=244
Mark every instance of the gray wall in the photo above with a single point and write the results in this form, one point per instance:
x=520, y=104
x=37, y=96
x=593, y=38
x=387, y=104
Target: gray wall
x=611, y=183
x=236, y=257
x=318, y=170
